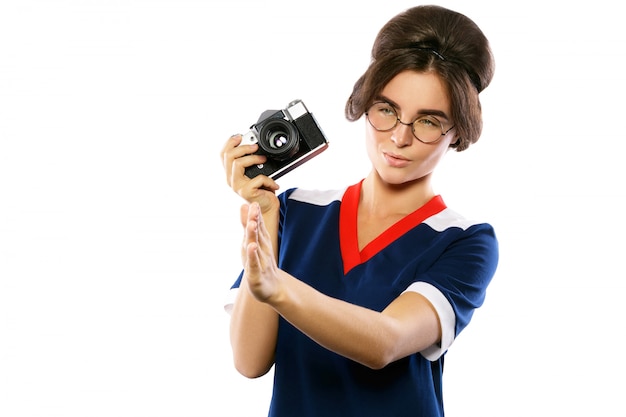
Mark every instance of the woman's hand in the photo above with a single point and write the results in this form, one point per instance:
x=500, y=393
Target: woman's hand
x=261, y=271
x=260, y=189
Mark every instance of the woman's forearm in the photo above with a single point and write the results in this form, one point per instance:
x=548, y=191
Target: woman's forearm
x=253, y=324
x=374, y=339
x=253, y=331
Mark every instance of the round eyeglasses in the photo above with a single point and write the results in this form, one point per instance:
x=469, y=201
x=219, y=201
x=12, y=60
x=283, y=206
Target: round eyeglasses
x=427, y=129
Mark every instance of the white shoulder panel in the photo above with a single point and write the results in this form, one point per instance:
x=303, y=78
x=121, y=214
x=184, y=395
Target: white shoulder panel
x=448, y=218
x=316, y=197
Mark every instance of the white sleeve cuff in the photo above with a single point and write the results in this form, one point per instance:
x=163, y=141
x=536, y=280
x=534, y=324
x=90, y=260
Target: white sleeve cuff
x=230, y=300
x=447, y=318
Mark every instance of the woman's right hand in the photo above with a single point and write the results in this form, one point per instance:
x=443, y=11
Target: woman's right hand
x=260, y=189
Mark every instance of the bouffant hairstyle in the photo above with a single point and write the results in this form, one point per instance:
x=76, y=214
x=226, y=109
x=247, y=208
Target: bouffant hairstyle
x=431, y=39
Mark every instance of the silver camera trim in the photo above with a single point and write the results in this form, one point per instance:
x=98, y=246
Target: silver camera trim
x=249, y=138
x=296, y=109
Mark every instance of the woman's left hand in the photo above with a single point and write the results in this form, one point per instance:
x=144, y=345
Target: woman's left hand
x=260, y=269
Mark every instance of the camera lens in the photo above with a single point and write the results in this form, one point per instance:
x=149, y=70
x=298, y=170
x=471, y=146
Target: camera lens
x=279, y=139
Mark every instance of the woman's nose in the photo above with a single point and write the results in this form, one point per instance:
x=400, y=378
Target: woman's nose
x=402, y=135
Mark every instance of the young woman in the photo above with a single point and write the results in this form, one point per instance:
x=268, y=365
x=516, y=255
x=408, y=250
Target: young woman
x=355, y=295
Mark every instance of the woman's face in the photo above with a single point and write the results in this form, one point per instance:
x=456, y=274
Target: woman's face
x=396, y=155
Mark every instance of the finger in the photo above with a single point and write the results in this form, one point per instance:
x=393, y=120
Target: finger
x=252, y=253
x=254, y=212
x=241, y=161
x=243, y=215
x=231, y=143
x=236, y=169
x=237, y=152
x=249, y=221
x=264, y=182
x=252, y=266
x=230, y=154
x=262, y=236
x=252, y=230
x=252, y=221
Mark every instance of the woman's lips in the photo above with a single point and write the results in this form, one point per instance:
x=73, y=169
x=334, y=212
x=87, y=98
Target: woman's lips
x=396, y=161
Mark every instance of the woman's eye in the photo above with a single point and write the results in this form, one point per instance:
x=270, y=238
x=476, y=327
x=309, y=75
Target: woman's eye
x=429, y=122
x=387, y=111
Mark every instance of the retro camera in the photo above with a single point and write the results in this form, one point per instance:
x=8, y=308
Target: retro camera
x=288, y=138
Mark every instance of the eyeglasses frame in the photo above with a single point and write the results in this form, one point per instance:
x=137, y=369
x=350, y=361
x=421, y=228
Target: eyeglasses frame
x=412, y=124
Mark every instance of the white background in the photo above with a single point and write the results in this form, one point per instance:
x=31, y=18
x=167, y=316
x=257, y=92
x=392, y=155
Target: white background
x=119, y=237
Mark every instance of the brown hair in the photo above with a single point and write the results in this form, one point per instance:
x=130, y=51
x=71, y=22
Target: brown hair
x=424, y=39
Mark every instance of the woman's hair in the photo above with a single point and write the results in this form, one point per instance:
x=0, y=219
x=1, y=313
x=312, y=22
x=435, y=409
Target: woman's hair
x=425, y=39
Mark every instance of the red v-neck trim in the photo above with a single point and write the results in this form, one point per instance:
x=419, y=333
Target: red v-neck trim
x=349, y=234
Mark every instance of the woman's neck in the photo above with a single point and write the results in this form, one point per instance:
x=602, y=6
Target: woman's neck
x=381, y=198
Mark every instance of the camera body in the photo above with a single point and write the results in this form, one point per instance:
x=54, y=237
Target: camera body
x=288, y=138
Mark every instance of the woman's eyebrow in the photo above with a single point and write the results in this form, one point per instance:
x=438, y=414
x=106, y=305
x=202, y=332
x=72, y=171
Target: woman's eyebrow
x=432, y=112
x=429, y=112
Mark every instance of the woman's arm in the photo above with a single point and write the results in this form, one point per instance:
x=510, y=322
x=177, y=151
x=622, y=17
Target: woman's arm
x=408, y=325
x=253, y=325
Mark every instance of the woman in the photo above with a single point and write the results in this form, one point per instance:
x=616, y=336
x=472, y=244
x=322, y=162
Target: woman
x=355, y=295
